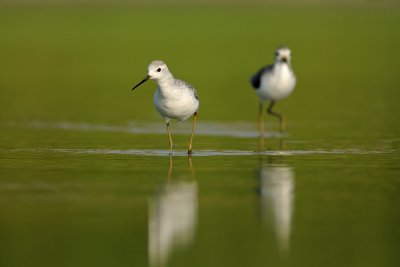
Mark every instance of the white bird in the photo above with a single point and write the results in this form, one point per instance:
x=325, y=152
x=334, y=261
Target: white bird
x=276, y=189
x=272, y=83
x=173, y=99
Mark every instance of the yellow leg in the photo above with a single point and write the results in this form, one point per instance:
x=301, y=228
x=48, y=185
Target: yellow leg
x=261, y=126
x=191, y=137
x=169, y=138
x=282, y=120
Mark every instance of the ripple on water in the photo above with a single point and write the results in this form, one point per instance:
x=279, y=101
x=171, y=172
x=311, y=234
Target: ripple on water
x=200, y=153
x=223, y=129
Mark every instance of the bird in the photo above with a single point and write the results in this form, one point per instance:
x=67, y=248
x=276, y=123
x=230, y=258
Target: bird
x=272, y=83
x=173, y=99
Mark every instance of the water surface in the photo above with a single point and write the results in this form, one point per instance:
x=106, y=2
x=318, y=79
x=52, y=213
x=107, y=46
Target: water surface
x=287, y=206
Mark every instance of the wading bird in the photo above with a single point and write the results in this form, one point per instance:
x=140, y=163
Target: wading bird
x=173, y=99
x=272, y=83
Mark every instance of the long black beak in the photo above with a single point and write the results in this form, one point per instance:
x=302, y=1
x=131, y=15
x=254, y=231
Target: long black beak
x=145, y=79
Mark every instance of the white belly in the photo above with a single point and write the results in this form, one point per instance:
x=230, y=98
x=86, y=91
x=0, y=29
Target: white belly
x=277, y=85
x=179, y=105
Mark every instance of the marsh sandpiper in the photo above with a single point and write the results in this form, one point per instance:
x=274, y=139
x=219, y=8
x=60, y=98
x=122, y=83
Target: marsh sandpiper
x=173, y=99
x=272, y=83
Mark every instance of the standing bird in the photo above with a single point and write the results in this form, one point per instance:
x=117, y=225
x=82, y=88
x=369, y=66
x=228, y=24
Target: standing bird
x=173, y=99
x=274, y=82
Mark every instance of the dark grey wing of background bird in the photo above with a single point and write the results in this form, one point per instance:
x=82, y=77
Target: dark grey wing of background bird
x=256, y=78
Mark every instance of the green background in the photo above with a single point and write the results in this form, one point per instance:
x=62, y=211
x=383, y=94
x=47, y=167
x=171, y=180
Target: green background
x=76, y=178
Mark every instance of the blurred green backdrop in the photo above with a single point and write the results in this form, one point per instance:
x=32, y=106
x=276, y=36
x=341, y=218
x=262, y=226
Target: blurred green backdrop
x=78, y=62
x=78, y=197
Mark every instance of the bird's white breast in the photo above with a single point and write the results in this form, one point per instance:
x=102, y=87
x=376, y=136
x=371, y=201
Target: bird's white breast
x=277, y=84
x=174, y=102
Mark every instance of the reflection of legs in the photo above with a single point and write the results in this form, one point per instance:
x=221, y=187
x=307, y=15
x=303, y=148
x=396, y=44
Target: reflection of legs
x=191, y=167
x=261, y=126
x=191, y=137
x=169, y=138
x=282, y=121
x=169, y=168
x=281, y=144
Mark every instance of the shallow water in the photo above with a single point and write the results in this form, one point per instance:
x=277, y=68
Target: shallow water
x=139, y=207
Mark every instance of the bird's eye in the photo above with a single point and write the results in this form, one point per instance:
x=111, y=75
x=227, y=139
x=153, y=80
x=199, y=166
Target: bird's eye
x=159, y=69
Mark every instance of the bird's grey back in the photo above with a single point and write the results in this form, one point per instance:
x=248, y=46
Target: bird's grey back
x=183, y=84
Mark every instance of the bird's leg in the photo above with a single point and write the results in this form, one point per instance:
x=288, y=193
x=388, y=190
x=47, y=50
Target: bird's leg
x=169, y=138
x=191, y=137
x=261, y=127
x=282, y=121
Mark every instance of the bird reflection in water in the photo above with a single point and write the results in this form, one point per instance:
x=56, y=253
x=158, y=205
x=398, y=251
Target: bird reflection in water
x=276, y=199
x=172, y=217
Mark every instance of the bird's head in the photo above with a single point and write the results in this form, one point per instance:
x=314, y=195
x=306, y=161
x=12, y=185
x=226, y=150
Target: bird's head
x=156, y=70
x=283, y=54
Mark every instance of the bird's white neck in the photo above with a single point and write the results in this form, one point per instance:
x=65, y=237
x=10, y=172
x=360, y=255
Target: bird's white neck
x=165, y=80
x=283, y=66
